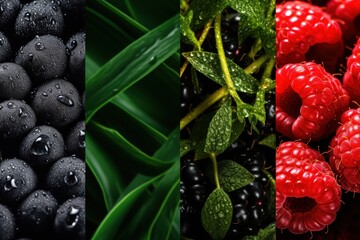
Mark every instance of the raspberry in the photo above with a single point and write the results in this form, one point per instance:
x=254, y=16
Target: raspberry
x=307, y=194
x=309, y=101
x=346, y=13
x=306, y=32
x=352, y=75
x=345, y=155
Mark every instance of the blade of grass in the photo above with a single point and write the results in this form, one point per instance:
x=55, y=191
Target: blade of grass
x=132, y=64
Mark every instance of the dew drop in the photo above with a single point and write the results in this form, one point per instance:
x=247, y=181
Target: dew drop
x=66, y=100
x=71, y=179
x=41, y=146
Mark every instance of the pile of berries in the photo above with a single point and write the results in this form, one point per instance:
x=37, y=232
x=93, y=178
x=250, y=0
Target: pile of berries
x=42, y=130
x=317, y=117
x=250, y=203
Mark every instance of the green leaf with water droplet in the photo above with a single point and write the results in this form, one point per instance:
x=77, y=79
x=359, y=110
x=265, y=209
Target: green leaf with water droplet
x=205, y=11
x=185, y=146
x=268, y=233
x=254, y=22
x=186, y=30
x=216, y=214
x=209, y=64
x=219, y=131
x=232, y=175
x=199, y=132
x=269, y=141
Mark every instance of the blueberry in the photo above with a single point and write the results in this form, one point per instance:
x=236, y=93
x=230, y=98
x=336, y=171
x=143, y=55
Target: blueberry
x=57, y=103
x=44, y=58
x=14, y=81
x=66, y=178
x=42, y=146
x=74, y=14
x=37, y=213
x=241, y=214
x=75, y=140
x=70, y=220
x=5, y=48
x=76, y=46
x=7, y=223
x=17, y=180
x=16, y=119
x=8, y=12
x=39, y=17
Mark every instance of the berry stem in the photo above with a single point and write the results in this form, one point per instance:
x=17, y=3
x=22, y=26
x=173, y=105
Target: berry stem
x=216, y=172
x=222, y=58
x=268, y=69
x=201, y=40
x=219, y=94
x=209, y=101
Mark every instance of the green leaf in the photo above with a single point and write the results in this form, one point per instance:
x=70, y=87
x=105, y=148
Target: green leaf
x=205, y=11
x=219, y=131
x=209, y=64
x=185, y=147
x=169, y=151
x=269, y=141
x=199, y=133
x=216, y=214
x=132, y=64
x=268, y=233
x=186, y=30
x=232, y=175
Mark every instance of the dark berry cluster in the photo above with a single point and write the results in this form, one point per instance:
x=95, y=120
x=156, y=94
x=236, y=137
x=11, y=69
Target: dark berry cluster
x=42, y=129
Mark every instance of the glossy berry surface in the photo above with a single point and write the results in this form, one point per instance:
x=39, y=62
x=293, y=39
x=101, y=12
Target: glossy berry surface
x=307, y=194
x=309, y=101
x=304, y=33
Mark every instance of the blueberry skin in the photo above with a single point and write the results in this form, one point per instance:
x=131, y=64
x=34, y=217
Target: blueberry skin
x=66, y=178
x=74, y=13
x=42, y=146
x=5, y=48
x=75, y=140
x=57, y=103
x=39, y=17
x=44, y=58
x=16, y=119
x=16, y=181
x=70, y=220
x=7, y=224
x=10, y=9
x=14, y=81
x=36, y=214
x=76, y=45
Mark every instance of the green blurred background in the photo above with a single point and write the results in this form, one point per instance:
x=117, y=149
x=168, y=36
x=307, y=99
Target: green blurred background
x=132, y=114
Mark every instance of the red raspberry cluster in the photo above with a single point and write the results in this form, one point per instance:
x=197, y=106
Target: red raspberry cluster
x=317, y=107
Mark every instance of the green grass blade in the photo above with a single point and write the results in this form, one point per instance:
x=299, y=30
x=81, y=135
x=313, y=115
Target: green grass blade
x=133, y=63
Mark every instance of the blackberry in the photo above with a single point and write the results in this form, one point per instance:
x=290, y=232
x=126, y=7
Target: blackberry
x=39, y=17
x=66, y=178
x=70, y=220
x=16, y=119
x=14, y=81
x=57, y=103
x=44, y=58
x=42, y=146
x=186, y=97
x=7, y=223
x=36, y=214
x=17, y=180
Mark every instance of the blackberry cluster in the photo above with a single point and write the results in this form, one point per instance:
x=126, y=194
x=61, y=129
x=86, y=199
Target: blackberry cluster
x=251, y=203
x=42, y=130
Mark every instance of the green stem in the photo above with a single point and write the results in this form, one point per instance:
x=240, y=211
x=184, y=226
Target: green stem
x=256, y=47
x=216, y=172
x=268, y=69
x=254, y=66
x=222, y=58
x=201, y=41
x=209, y=101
